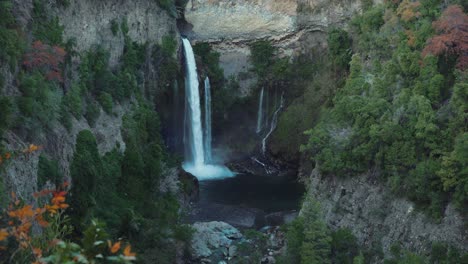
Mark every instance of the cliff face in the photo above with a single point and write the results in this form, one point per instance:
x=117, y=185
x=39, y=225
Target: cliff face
x=379, y=219
x=294, y=26
x=89, y=23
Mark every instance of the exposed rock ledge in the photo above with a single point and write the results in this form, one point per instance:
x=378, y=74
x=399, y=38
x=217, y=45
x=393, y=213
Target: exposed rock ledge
x=226, y=20
x=377, y=218
x=294, y=26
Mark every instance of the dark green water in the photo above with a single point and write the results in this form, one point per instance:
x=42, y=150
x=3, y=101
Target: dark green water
x=270, y=193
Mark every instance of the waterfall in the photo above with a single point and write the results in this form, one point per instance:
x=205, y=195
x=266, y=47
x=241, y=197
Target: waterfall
x=195, y=162
x=194, y=112
x=274, y=121
x=260, y=113
x=208, y=154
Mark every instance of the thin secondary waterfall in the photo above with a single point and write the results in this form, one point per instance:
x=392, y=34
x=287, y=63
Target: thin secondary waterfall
x=208, y=154
x=194, y=112
x=260, y=113
x=274, y=122
x=196, y=146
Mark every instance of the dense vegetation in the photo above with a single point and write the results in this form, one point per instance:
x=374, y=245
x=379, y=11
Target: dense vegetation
x=388, y=97
x=402, y=109
x=113, y=195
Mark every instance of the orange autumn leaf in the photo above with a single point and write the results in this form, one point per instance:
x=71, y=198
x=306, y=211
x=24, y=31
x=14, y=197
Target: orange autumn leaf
x=115, y=248
x=128, y=251
x=58, y=199
x=7, y=155
x=3, y=234
x=22, y=213
x=37, y=252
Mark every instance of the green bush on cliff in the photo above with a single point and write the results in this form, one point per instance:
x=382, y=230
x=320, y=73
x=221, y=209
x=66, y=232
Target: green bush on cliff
x=308, y=237
x=11, y=44
x=86, y=171
x=48, y=171
x=339, y=47
x=397, y=113
x=46, y=29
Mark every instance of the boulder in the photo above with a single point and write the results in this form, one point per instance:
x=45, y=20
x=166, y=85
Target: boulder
x=212, y=240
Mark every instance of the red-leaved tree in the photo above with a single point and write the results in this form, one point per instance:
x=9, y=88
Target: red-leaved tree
x=47, y=59
x=452, y=38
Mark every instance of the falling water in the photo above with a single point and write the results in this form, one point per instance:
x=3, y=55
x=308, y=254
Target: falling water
x=260, y=113
x=193, y=96
x=195, y=152
x=208, y=155
x=274, y=121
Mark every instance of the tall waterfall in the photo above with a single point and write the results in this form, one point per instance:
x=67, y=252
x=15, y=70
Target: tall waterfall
x=260, y=113
x=274, y=122
x=194, y=112
x=195, y=161
x=208, y=154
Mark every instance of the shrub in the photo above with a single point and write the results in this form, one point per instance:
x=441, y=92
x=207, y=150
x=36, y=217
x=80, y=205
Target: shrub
x=11, y=44
x=339, y=47
x=124, y=26
x=46, y=29
x=48, y=171
x=168, y=45
x=6, y=118
x=114, y=27
x=86, y=170
x=105, y=100
x=73, y=101
x=92, y=112
x=47, y=59
x=344, y=246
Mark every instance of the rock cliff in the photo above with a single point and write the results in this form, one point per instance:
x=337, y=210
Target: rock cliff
x=379, y=219
x=89, y=23
x=294, y=26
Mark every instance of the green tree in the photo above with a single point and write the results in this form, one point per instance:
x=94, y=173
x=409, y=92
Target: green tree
x=86, y=170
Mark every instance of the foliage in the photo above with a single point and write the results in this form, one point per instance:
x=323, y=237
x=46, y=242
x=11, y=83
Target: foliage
x=39, y=103
x=169, y=45
x=46, y=29
x=167, y=5
x=397, y=111
x=262, y=57
x=86, y=169
x=48, y=59
x=92, y=112
x=6, y=108
x=11, y=44
x=50, y=246
x=452, y=36
x=339, y=48
x=210, y=59
x=344, y=246
x=114, y=27
x=105, y=100
x=308, y=236
x=73, y=102
x=48, y=171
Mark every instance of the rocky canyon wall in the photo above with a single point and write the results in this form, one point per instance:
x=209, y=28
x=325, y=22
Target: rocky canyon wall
x=379, y=219
x=89, y=23
x=294, y=26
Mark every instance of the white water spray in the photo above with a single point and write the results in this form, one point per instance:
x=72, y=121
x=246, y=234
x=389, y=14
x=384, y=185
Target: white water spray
x=208, y=139
x=274, y=122
x=195, y=154
x=260, y=113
